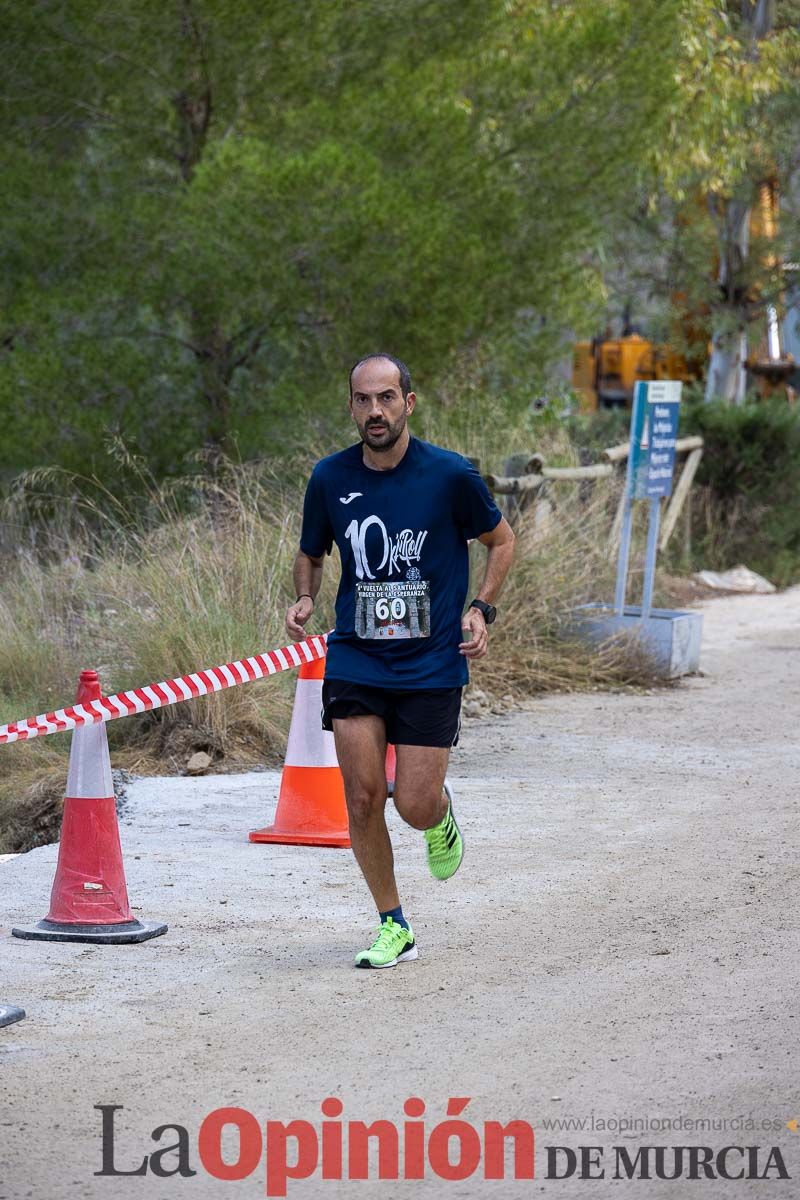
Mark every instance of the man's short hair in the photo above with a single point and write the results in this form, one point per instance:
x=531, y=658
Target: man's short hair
x=405, y=374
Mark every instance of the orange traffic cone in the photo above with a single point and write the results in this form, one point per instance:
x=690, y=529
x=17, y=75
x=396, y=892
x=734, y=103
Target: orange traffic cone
x=89, y=900
x=311, y=806
x=391, y=768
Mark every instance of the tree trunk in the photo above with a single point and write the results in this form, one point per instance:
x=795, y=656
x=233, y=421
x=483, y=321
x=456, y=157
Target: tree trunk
x=213, y=355
x=726, y=379
x=727, y=376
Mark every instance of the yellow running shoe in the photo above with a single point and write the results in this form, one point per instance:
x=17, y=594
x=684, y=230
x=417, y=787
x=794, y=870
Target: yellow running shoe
x=445, y=843
x=393, y=944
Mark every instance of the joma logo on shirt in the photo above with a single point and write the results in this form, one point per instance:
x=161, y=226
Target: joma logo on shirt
x=405, y=547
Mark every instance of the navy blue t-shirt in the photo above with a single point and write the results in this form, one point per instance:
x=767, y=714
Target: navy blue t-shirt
x=402, y=536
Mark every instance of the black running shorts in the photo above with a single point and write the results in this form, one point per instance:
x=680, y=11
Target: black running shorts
x=423, y=717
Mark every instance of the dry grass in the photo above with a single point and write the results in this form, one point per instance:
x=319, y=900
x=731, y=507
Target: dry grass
x=204, y=581
x=562, y=561
x=200, y=574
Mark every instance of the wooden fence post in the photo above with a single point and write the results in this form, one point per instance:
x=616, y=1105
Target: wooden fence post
x=678, y=498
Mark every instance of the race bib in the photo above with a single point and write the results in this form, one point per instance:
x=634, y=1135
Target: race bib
x=393, y=610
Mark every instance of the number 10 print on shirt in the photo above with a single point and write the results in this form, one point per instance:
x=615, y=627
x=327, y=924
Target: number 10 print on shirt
x=406, y=547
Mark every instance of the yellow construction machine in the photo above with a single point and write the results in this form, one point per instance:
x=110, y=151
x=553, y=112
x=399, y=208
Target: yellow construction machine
x=605, y=370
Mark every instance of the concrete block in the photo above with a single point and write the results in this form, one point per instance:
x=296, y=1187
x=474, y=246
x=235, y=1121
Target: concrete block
x=671, y=637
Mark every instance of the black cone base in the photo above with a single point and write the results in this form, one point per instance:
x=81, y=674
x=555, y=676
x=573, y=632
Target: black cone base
x=127, y=931
x=9, y=1014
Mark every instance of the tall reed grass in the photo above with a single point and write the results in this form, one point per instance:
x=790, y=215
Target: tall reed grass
x=197, y=572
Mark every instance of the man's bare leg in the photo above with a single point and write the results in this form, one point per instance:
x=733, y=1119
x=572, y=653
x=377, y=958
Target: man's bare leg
x=361, y=750
x=419, y=785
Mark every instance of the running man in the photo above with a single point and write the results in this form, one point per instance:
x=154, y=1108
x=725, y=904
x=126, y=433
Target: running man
x=401, y=512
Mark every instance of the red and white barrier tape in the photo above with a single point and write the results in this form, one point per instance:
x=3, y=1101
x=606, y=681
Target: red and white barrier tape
x=172, y=691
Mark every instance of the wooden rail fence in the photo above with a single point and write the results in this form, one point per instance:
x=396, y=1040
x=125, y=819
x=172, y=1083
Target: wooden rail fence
x=535, y=473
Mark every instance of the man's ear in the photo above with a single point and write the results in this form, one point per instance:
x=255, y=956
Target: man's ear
x=411, y=401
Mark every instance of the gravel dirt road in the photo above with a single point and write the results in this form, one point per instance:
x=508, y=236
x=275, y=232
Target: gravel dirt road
x=620, y=944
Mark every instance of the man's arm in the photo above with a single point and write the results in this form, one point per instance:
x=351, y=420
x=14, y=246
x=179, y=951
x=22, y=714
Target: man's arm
x=500, y=545
x=307, y=576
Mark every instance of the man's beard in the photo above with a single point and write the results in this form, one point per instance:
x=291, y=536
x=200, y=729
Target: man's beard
x=385, y=441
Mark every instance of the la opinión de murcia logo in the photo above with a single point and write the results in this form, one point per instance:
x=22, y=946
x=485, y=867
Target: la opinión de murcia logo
x=452, y=1149
x=666, y=1162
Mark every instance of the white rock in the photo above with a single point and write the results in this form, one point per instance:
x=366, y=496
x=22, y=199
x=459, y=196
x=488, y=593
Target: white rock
x=199, y=763
x=738, y=579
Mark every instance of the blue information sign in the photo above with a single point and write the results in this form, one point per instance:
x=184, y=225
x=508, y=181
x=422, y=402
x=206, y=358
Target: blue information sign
x=654, y=431
x=651, y=462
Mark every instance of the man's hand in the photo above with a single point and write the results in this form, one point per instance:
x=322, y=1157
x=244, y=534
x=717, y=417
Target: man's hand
x=297, y=615
x=473, y=623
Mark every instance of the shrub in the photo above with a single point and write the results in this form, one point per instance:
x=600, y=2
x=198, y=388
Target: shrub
x=750, y=480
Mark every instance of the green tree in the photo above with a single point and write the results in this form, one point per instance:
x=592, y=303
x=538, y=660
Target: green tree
x=732, y=129
x=217, y=204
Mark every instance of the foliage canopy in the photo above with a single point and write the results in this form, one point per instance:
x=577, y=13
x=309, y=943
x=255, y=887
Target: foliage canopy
x=217, y=205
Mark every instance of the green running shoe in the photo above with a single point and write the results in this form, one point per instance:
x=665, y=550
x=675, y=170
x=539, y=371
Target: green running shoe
x=445, y=843
x=393, y=944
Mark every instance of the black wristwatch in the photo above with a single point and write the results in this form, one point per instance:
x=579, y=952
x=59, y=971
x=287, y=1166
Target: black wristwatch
x=489, y=611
